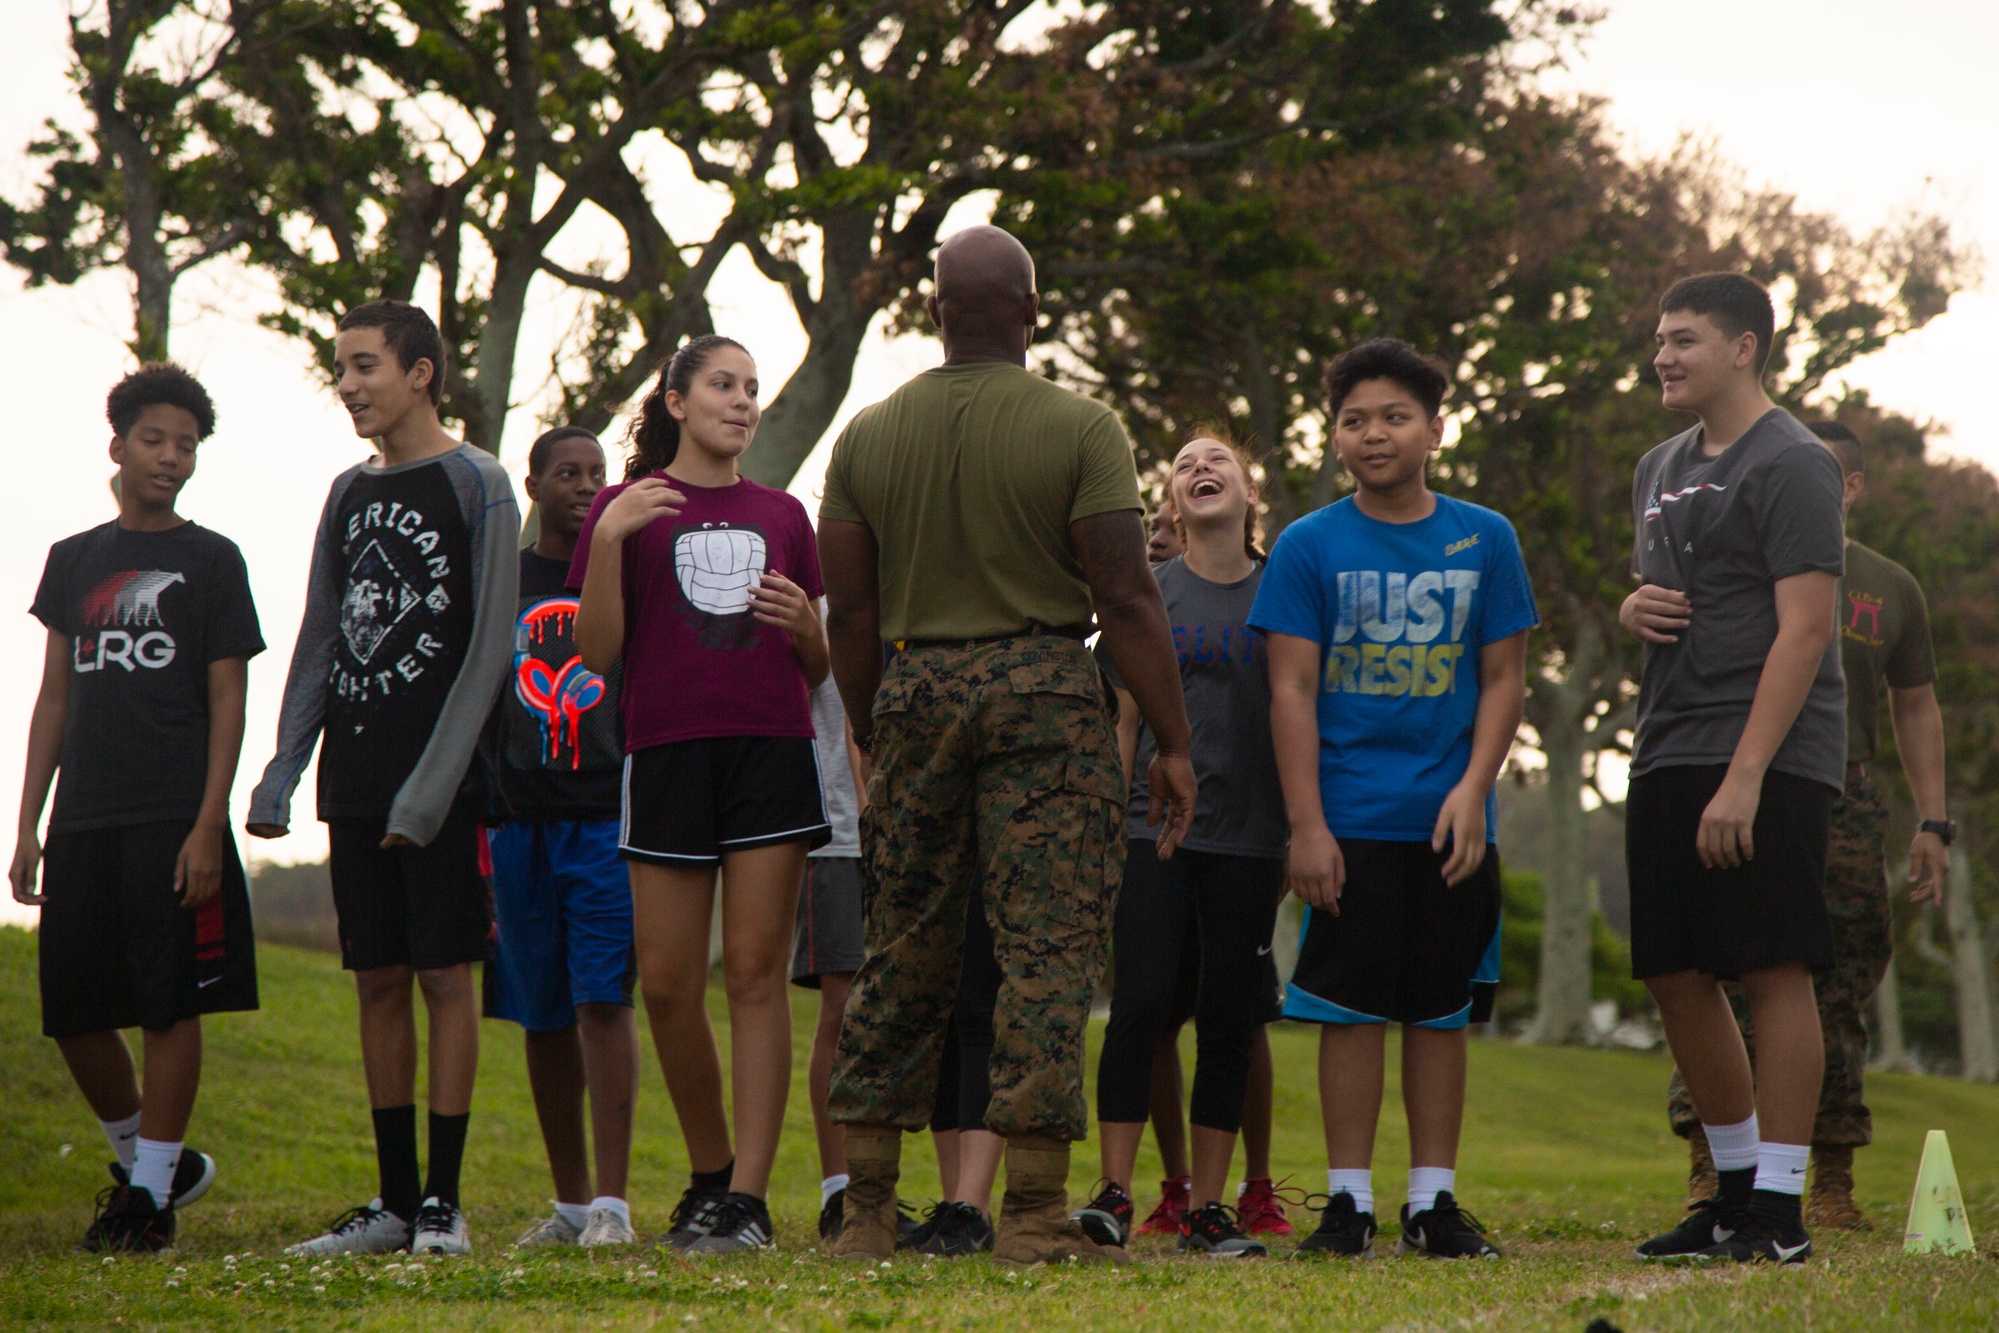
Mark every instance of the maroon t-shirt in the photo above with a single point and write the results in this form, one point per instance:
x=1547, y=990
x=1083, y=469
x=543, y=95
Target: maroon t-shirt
x=697, y=662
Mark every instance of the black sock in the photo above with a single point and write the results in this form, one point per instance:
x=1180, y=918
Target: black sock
x=1736, y=1186
x=1786, y=1208
x=395, y=1160
x=447, y=1154
x=716, y=1180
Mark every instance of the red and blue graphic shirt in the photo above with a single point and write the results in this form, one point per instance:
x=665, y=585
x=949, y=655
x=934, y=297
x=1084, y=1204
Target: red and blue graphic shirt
x=559, y=751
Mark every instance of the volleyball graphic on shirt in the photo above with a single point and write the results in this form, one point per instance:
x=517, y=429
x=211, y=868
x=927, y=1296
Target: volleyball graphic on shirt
x=718, y=565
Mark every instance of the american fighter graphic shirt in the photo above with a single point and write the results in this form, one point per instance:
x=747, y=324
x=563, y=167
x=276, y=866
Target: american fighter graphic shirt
x=145, y=614
x=697, y=662
x=1724, y=530
x=1400, y=611
x=559, y=748
x=407, y=634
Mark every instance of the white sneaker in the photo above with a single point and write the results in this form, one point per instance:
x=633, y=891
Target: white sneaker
x=369, y=1229
x=555, y=1229
x=605, y=1227
x=440, y=1229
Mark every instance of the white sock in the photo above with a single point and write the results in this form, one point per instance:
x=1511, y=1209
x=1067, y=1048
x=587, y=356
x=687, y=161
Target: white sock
x=153, y=1166
x=576, y=1214
x=615, y=1204
x=1780, y=1167
x=1733, y=1147
x=1359, y=1183
x=1426, y=1183
x=123, y=1135
x=830, y=1186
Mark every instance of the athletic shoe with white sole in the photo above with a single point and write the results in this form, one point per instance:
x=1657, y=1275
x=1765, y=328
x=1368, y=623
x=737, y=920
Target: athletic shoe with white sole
x=193, y=1174
x=1444, y=1231
x=1764, y=1235
x=369, y=1229
x=1344, y=1230
x=742, y=1222
x=952, y=1230
x=129, y=1221
x=693, y=1217
x=1106, y=1219
x=552, y=1231
x=606, y=1227
x=440, y=1229
x=1213, y=1231
x=1708, y=1225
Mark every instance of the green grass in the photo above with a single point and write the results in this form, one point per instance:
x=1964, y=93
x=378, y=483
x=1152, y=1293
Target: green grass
x=1566, y=1156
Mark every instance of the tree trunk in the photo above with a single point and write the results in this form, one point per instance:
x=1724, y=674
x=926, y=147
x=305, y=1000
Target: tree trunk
x=1892, y=1043
x=1561, y=1012
x=1978, y=1055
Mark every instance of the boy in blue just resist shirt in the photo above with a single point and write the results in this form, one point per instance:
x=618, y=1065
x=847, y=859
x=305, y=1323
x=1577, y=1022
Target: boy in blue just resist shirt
x=1397, y=627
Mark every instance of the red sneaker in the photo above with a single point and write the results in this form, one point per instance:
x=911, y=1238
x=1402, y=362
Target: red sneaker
x=1173, y=1197
x=1261, y=1205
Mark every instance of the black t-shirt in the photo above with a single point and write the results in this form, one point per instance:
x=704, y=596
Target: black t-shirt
x=560, y=754
x=145, y=614
x=405, y=623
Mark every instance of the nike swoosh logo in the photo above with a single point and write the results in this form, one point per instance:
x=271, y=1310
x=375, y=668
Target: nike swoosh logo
x=204, y=985
x=1722, y=1233
x=1264, y=950
x=1786, y=1253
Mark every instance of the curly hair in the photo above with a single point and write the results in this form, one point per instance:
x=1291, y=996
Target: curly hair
x=157, y=383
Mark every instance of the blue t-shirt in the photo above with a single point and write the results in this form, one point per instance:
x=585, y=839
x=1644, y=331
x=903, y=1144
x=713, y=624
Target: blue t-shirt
x=1401, y=610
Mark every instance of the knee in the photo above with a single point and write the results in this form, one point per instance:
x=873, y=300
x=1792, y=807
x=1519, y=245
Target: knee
x=383, y=987
x=753, y=981
x=445, y=985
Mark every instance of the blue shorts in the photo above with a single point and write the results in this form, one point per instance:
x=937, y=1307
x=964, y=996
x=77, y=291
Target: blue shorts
x=563, y=900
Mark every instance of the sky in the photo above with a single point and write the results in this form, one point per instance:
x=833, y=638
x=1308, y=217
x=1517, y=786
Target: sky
x=1859, y=109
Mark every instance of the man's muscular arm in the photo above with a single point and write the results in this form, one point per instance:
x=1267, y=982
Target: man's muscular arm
x=849, y=565
x=1132, y=616
x=1918, y=724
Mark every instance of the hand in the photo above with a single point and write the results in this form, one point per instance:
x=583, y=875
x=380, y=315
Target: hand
x=27, y=860
x=1172, y=788
x=776, y=600
x=198, y=871
x=267, y=830
x=396, y=840
x=1656, y=614
x=1461, y=822
x=1725, y=839
x=1929, y=863
x=1315, y=869
x=636, y=506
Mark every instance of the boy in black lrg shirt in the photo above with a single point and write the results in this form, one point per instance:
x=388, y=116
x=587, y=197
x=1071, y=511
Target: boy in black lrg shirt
x=145, y=915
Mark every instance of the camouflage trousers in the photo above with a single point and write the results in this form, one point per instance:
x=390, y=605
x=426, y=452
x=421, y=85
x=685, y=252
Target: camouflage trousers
x=1856, y=898
x=996, y=774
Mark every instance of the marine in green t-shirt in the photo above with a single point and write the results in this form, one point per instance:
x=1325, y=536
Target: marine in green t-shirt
x=1884, y=638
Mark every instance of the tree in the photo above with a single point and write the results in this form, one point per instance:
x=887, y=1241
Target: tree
x=144, y=189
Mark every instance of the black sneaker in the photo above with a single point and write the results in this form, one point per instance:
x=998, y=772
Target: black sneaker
x=693, y=1216
x=1763, y=1235
x=1343, y=1229
x=129, y=1222
x=1708, y=1225
x=833, y=1215
x=740, y=1222
x=1214, y=1232
x=950, y=1230
x=1106, y=1219
x=1444, y=1231
x=193, y=1174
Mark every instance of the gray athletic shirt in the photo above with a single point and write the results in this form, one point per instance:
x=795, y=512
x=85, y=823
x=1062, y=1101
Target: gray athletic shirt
x=1226, y=679
x=378, y=631
x=1724, y=530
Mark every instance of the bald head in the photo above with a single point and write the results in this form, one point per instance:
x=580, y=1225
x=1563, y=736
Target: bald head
x=984, y=301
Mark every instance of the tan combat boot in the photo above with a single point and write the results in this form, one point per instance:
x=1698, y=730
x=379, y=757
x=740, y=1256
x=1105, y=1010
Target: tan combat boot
x=1703, y=1181
x=1831, y=1206
x=874, y=1164
x=1034, y=1225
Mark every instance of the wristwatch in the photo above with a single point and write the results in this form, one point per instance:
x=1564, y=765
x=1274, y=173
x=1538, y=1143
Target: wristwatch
x=1945, y=829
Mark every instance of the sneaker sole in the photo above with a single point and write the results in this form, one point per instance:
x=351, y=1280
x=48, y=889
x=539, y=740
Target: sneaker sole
x=201, y=1184
x=1199, y=1252
x=1100, y=1227
x=1403, y=1247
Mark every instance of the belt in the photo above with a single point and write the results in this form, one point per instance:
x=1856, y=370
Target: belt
x=1078, y=633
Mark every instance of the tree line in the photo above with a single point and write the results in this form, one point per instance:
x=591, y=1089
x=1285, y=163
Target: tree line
x=1221, y=197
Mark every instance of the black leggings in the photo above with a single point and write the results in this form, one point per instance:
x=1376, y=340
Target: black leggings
x=964, y=1078
x=1230, y=902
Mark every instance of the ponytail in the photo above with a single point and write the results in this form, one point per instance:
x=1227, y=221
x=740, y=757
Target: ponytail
x=655, y=433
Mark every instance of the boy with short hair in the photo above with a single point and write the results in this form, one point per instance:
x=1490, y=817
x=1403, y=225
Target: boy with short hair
x=1397, y=627
x=145, y=913
x=407, y=634
x=562, y=963
x=1740, y=750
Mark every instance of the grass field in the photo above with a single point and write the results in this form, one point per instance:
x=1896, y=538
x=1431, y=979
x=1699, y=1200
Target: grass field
x=1566, y=1158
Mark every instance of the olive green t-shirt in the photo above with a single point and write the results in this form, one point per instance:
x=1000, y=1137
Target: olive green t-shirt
x=1884, y=635
x=969, y=477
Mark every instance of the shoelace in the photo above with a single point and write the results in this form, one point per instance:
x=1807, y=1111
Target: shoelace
x=1455, y=1213
x=1105, y=1185
x=694, y=1206
x=1215, y=1219
x=352, y=1219
x=1295, y=1195
x=731, y=1217
x=438, y=1217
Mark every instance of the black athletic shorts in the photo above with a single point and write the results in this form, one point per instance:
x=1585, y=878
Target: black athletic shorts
x=1187, y=988
x=1406, y=947
x=689, y=802
x=420, y=907
x=1766, y=911
x=117, y=948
